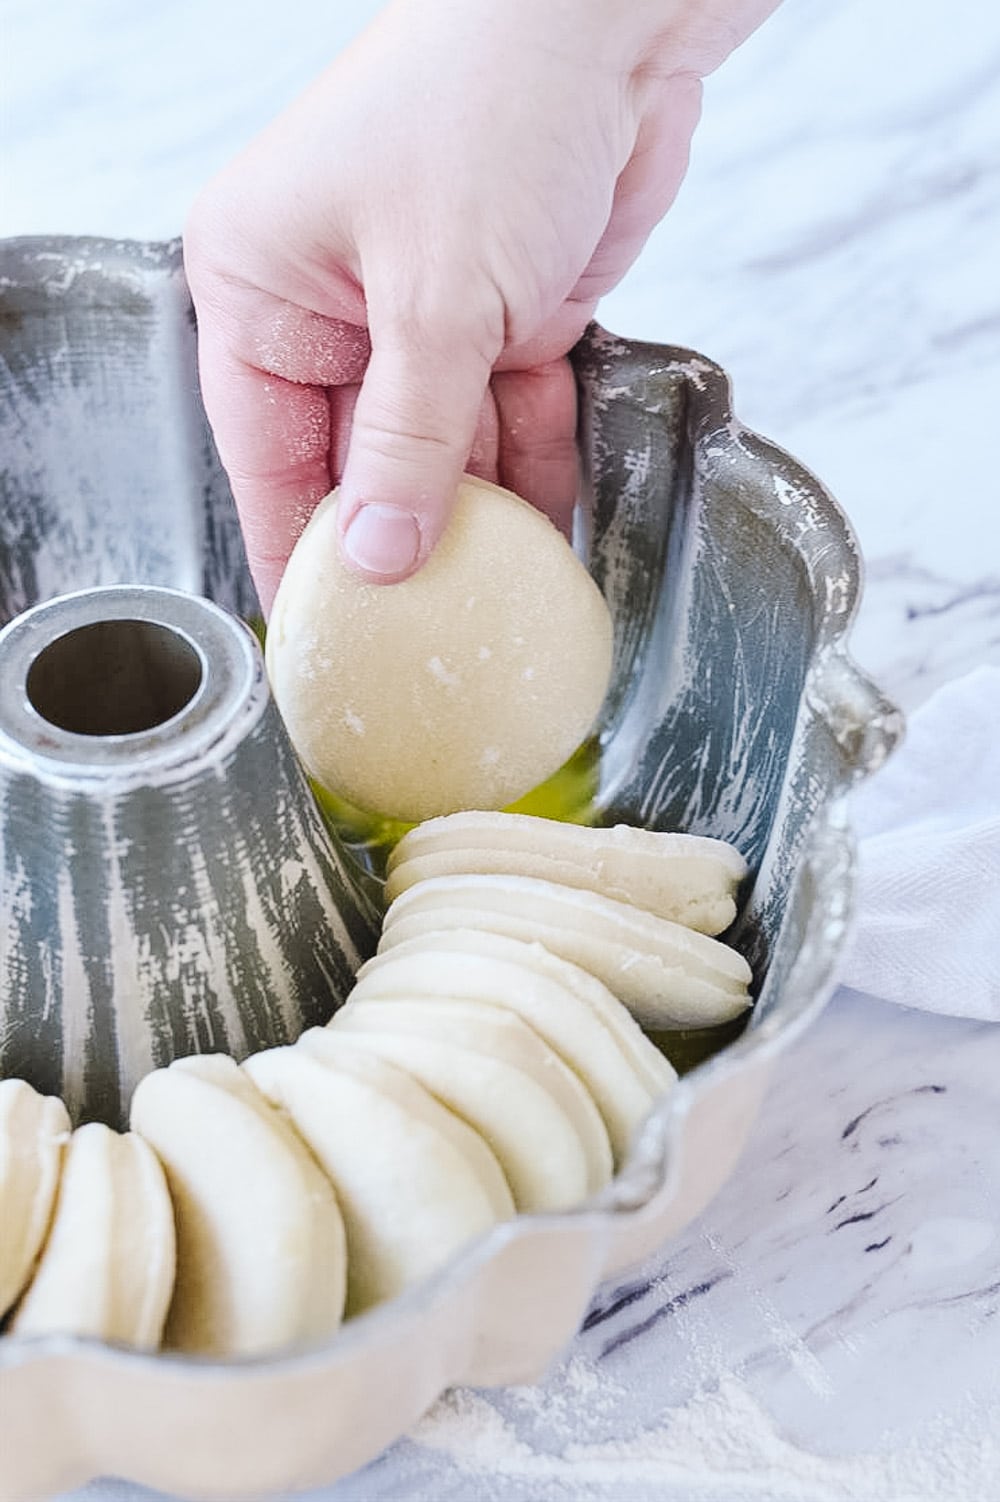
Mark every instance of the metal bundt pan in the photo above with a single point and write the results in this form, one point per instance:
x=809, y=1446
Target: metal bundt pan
x=735, y=711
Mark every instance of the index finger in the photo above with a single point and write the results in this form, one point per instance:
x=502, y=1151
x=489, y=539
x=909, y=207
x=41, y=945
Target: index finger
x=274, y=440
x=538, y=455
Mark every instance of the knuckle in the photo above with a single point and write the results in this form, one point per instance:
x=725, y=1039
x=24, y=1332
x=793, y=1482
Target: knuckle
x=455, y=317
x=398, y=441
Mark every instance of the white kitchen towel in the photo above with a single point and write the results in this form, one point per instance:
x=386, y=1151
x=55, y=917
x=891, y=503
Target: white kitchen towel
x=927, y=928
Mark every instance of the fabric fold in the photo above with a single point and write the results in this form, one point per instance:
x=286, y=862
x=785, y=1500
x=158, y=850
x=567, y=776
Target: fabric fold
x=927, y=932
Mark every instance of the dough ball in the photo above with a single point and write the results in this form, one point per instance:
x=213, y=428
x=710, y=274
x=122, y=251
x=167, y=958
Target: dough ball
x=462, y=687
x=261, y=1251
x=107, y=1267
x=685, y=878
x=414, y=1183
x=34, y=1130
x=495, y=1072
x=667, y=975
x=489, y=971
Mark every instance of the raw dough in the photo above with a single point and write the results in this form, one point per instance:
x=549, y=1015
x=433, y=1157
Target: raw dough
x=499, y=971
x=656, y=1072
x=462, y=687
x=414, y=1183
x=494, y=1071
x=667, y=975
x=107, y=1268
x=34, y=1130
x=686, y=878
x=260, y=1241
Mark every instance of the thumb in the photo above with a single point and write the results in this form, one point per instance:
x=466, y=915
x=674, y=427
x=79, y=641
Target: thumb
x=414, y=426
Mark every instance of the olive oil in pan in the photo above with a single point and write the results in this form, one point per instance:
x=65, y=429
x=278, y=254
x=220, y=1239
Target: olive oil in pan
x=569, y=795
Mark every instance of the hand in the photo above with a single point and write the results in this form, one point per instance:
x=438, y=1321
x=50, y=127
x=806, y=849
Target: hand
x=388, y=280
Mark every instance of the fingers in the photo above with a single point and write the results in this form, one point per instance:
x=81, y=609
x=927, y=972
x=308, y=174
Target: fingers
x=538, y=457
x=414, y=427
x=552, y=339
x=343, y=400
x=285, y=444
x=484, y=456
x=273, y=438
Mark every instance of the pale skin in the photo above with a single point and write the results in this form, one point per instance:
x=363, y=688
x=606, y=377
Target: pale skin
x=389, y=278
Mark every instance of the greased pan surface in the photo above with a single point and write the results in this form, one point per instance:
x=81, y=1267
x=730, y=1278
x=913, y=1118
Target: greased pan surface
x=735, y=711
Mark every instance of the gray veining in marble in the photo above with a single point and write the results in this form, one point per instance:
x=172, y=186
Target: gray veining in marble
x=834, y=247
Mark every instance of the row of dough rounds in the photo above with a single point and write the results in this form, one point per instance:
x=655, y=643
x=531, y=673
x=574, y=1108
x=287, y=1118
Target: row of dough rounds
x=483, y=1065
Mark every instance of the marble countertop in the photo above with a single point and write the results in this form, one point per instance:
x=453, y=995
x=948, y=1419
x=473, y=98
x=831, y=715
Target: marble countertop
x=830, y=1327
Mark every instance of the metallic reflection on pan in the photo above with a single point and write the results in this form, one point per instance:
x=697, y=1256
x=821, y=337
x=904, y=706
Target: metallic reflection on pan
x=735, y=710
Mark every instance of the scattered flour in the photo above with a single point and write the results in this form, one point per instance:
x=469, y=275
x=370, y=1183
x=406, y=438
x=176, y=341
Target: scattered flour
x=442, y=673
x=720, y=1445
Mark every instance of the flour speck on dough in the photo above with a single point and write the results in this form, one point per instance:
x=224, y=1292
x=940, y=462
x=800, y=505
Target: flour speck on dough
x=443, y=674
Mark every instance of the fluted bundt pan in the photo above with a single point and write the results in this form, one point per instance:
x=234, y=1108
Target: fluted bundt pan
x=167, y=886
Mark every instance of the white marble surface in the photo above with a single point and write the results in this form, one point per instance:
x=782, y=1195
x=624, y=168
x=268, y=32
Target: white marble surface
x=830, y=1327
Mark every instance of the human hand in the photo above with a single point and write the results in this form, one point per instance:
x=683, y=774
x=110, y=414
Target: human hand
x=389, y=278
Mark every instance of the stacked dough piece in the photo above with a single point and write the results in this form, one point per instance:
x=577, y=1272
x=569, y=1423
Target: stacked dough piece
x=484, y=1065
x=86, y=1225
x=633, y=907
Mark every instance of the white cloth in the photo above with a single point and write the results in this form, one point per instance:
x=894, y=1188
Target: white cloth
x=927, y=930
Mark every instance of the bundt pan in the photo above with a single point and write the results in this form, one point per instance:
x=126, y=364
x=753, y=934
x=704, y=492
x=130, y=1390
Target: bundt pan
x=735, y=711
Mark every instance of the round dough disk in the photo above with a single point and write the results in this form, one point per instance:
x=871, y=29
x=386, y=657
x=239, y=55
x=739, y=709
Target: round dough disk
x=493, y=1071
x=34, y=1130
x=560, y=1017
x=462, y=687
x=667, y=975
x=682, y=877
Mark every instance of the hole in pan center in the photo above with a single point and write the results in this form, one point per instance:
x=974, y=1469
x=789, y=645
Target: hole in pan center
x=117, y=677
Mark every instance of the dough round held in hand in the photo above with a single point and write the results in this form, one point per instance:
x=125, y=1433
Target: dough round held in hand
x=667, y=975
x=414, y=1182
x=495, y=1072
x=260, y=1240
x=34, y=1130
x=107, y=1268
x=492, y=969
x=462, y=687
x=685, y=878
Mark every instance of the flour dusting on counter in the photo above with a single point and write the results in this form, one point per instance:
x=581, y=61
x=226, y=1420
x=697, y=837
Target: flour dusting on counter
x=721, y=1444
